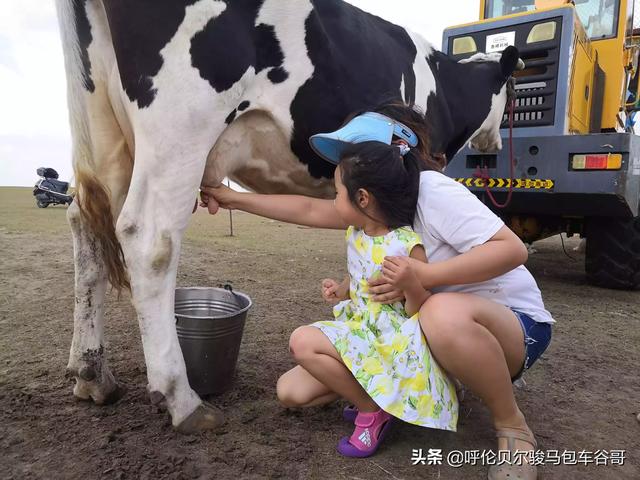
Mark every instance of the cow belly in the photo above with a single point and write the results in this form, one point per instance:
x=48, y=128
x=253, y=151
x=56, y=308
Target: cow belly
x=255, y=152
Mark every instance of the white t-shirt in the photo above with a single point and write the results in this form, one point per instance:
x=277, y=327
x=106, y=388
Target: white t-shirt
x=451, y=221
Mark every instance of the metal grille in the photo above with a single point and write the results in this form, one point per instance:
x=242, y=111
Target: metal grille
x=536, y=85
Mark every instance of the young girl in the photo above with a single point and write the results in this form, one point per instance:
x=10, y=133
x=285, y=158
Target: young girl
x=373, y=355
x=381, y=345
x=486, y=322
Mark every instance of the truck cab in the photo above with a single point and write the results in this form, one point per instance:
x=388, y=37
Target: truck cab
x=574, y=165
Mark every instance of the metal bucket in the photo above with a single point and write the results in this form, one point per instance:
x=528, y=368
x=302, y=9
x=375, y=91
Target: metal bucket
x=209, y=322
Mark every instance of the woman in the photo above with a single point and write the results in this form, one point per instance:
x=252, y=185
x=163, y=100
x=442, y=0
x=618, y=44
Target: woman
x=486, y=323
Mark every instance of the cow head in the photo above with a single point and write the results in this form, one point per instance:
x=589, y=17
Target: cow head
x=497, y=71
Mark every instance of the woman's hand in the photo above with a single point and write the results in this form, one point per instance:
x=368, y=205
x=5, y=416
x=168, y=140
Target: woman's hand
x=214, y=198
x=399, y=272
x=383, y=291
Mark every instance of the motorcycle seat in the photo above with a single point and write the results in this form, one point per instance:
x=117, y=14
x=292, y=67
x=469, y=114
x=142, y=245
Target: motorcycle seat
x=58, y=185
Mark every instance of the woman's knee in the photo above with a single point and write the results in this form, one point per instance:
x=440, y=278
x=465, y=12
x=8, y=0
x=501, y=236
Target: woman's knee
x=442, y=321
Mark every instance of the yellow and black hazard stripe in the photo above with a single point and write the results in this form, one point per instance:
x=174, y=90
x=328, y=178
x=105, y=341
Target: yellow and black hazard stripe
x=518, y=183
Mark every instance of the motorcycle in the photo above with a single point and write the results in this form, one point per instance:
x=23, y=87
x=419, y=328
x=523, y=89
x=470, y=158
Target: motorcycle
x=49, y=190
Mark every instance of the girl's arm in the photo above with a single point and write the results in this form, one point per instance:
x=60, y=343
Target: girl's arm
x=308, y=211
x=500, y=254
x=342, y=293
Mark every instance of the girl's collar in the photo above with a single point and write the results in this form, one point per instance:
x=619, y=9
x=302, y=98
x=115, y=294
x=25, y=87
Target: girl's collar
x=381, y=235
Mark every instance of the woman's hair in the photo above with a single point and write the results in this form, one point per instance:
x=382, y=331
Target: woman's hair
x=412, y=117
x=392, y=180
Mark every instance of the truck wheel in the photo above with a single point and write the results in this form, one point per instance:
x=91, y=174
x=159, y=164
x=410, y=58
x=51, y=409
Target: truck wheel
x=42, y=204
x=613, y=253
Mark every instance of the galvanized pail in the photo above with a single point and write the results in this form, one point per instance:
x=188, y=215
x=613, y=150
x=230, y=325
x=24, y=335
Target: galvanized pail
x=209, y=322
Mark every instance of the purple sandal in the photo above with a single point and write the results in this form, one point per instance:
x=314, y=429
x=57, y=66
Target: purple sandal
x=366, y=438
x=349, y=413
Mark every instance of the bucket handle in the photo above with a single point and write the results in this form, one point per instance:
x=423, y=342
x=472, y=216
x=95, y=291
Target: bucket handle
x=229, y=288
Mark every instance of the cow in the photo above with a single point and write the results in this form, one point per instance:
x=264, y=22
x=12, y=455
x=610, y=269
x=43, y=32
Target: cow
x=166, y=96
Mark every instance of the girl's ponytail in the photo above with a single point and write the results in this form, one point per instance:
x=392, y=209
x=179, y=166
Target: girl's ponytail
x=413, y=164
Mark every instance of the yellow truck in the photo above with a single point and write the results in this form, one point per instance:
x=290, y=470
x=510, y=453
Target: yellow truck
x=575, y=166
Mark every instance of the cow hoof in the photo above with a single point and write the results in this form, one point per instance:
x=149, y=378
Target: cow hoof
x=205, y=417
x=88, y=374
x=89, y=391
x=101, y=388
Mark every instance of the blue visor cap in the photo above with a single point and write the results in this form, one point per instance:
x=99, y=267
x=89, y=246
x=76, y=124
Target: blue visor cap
x=369, y=126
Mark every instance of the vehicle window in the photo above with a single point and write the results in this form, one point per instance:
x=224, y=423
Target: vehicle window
x=599, y=17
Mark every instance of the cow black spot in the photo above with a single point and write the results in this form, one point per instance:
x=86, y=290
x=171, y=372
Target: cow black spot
x=277, y=75
x=231, y=43
x=243, y=105
x=140, y=30
x=268, y=51
x=230, y=118
x=359, y=61
x=83, y=30
x=440, y=124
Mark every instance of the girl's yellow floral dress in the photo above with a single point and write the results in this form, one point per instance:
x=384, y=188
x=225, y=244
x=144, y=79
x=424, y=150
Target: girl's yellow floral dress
x=385, y=350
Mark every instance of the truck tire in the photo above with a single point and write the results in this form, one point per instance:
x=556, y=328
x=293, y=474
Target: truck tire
x=613, y=253
x=42, y=204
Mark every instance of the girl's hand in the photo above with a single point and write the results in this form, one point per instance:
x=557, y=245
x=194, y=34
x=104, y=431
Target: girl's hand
x=217, y=197
x=399, y=272
x=331, y=291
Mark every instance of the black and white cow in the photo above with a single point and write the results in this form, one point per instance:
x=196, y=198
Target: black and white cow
x=164, y=95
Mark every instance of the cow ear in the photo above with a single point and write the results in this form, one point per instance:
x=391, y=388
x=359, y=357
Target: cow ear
x=509, y=61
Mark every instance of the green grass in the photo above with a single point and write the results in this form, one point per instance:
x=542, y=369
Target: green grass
x=19, y=214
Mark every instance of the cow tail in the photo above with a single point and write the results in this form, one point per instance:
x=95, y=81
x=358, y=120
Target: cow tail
x=92, y=196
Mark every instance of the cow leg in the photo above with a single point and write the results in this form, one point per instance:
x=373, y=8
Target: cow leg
x=112, y=168
x=150, y=229
x=87, y=358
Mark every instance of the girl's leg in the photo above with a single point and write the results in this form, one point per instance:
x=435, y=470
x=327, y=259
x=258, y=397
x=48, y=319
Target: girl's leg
x=316, y=354
x=481, y=343
x=298, y=388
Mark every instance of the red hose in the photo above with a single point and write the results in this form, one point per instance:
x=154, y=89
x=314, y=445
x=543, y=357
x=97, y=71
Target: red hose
x=484, y=175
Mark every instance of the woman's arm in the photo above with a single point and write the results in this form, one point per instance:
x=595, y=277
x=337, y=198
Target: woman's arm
x=298, y=209
x=400, y=272
x=452, y=215
x=416, y=294
x=500, y=254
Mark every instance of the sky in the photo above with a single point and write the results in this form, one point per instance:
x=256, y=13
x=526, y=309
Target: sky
x=34, y=129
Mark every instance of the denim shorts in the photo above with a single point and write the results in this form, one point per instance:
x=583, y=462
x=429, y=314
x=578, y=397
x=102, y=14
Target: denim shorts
x=537, y=336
